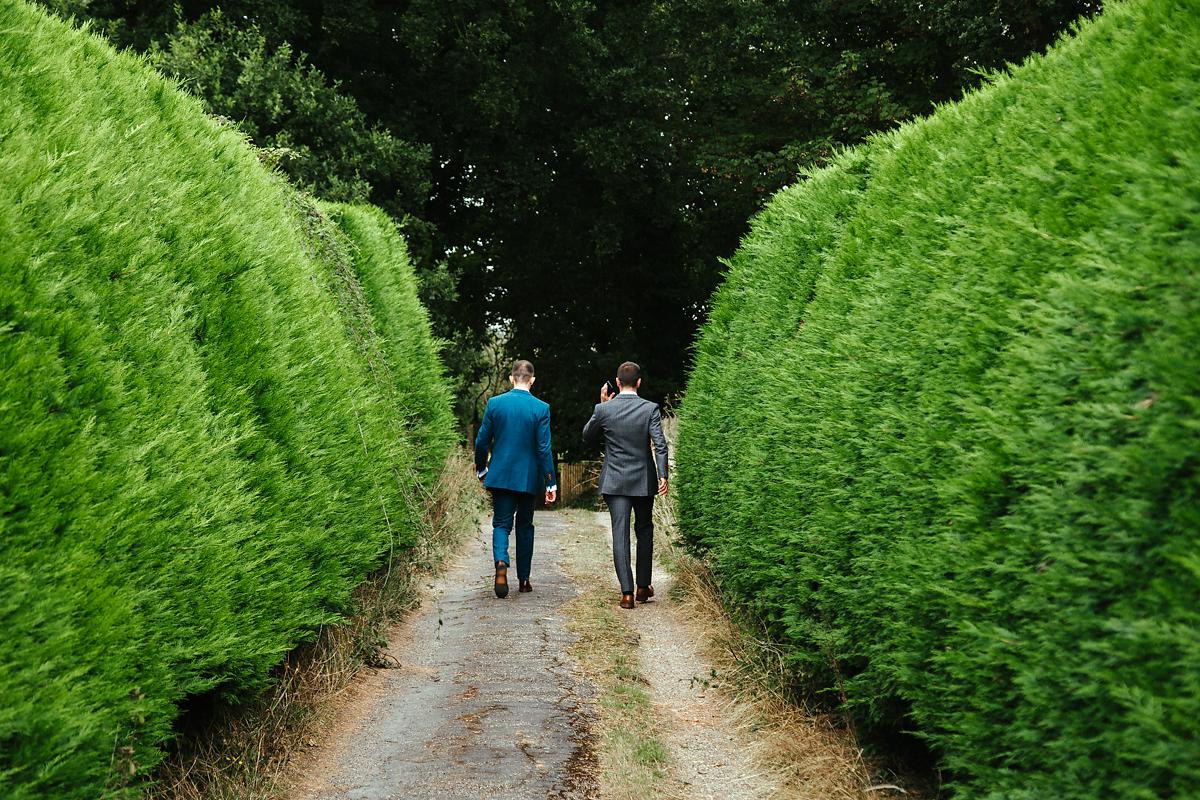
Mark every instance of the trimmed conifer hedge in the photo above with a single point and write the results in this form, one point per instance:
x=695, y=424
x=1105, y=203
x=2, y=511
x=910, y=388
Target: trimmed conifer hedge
x=410, y=354
x=943, y=430
x=218, y=410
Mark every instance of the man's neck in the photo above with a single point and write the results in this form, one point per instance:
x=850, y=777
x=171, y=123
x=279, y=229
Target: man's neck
x=521, y=387
x=629, y=391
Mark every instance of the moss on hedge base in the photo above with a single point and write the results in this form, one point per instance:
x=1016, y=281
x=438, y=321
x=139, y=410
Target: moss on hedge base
x=942, y=429
x=200, y=455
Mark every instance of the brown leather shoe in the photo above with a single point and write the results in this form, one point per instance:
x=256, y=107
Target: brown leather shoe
x=627, y=600
x=526, y=586
x=644, y=593
x=501, y=582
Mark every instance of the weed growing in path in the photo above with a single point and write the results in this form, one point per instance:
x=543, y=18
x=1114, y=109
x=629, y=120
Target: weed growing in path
x=634, y=763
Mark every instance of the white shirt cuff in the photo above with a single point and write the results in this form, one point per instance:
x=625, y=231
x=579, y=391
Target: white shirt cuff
x=481, y=473
x=553, y=488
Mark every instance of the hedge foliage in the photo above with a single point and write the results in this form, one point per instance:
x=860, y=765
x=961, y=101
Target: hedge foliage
x=421, y=399
x=943, y=430
x=218, y=410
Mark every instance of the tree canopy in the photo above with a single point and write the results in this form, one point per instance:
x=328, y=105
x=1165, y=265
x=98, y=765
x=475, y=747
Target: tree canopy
x=587, y=165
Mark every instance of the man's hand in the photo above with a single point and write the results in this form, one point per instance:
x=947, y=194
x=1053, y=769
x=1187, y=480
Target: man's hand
x=551, y=496
x=662, y=486
x=605, y=395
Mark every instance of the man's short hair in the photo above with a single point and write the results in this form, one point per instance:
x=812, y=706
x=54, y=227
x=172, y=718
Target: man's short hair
x=629, y=374
x=522, y=371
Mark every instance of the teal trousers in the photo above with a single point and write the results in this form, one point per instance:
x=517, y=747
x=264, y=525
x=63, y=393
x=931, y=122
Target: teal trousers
x=509, y=507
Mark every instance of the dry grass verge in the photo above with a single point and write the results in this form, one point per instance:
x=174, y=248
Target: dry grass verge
x=634, y=763
x=240, y=752
x=803, y=754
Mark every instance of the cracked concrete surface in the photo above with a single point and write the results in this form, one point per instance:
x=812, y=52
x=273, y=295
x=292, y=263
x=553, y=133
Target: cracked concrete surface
x=486, y=699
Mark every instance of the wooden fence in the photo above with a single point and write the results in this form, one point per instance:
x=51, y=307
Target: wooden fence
x=576, y=479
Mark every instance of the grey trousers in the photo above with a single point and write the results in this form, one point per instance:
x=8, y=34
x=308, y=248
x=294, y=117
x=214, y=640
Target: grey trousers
x=619, y=507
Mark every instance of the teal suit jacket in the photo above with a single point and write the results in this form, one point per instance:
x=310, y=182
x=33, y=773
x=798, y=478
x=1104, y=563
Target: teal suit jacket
x=516, y=432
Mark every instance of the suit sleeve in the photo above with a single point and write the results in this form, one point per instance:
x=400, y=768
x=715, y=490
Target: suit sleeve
x=546, y=450
x=660, y=442
x=483, y=442
x=593, y=428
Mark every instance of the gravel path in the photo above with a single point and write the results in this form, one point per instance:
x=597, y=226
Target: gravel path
x=486, y=701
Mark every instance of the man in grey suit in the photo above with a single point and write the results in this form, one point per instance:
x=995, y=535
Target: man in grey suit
x=632, y=474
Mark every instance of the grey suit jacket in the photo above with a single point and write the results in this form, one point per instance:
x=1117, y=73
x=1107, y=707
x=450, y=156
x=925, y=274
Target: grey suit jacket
x=629, y=426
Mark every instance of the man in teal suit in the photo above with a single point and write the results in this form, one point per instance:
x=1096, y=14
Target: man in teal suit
x=516, y=431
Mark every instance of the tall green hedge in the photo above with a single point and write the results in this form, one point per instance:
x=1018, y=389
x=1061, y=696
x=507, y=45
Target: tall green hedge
x=389, y=289
x=943, y=430
x=218, y=410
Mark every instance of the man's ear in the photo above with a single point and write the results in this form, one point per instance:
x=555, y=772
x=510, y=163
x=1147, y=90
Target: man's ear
x=638, y=385
x=512, y=380
x=531, y=381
